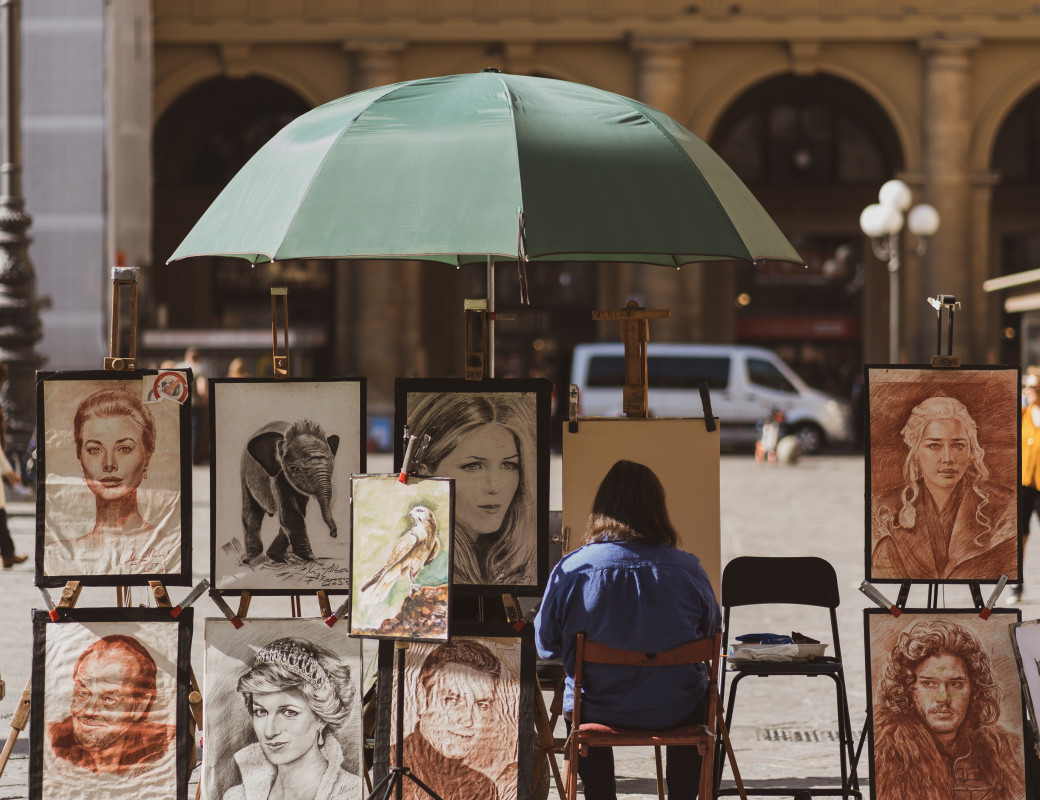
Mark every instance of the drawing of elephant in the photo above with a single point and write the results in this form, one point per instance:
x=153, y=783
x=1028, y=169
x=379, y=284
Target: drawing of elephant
x=283, y=466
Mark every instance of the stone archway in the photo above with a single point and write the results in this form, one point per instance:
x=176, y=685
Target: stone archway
x=814, y=150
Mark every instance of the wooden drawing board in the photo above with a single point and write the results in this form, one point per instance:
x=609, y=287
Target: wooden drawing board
x=681, y=452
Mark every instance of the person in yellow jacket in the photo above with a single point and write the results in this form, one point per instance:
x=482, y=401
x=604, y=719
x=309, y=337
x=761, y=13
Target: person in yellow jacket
x=1029, y=492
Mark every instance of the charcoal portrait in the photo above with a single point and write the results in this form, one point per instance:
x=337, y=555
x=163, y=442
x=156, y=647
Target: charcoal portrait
x=943, y=474
x=946, y=706
x=110, y=705
x=284, y=711
x=283, y=453
x=115, y=495
x=401, y=535
x=462, y=711
x=492, y=438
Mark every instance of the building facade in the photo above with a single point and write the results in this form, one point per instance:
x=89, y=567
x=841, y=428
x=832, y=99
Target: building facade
x=813, y=104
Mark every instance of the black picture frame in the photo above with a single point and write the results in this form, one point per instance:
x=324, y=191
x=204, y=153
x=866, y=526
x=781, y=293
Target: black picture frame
x=383, y=514
x=883, y=629
x=525, y=405
x=1025, y=641
x=481, y=632
x=982, y=544
x=88, y=624
x=65, y=499
x=327, y=401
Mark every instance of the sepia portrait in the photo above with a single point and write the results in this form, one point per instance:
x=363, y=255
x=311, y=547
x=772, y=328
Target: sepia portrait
x=114, y=493
x=109, y=704
x=401, y=565
x=1025, y=641
x=942, y=474
x=492, y=437
x=283, y=452
x=464, y=709
x=946, y=705
x=283, y=711
x=683, y=454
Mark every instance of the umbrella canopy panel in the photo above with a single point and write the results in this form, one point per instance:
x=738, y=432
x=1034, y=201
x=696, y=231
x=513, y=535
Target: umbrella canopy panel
x=459, y=168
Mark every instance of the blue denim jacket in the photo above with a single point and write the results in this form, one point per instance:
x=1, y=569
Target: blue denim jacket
x=636, y=596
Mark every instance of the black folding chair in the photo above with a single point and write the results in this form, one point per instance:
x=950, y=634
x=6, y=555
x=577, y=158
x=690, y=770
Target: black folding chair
x=810, y=581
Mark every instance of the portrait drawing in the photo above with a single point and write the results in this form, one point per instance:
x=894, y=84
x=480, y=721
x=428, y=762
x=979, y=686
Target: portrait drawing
x=283, y=452
x=681, y=452
x=401, y=534
x=283, y=704
x=115, y=502
x=943, y=474
x=492, y=437
x=462, y=718
x=946, y=706
x=109, y=704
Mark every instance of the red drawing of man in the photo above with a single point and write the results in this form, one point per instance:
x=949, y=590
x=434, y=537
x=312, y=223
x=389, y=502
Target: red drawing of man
x=113, y=692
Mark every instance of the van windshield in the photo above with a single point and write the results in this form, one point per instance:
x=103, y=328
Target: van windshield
x=663, y=372
x=762, y=373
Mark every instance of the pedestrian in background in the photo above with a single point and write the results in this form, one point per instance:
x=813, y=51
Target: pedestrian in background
x=7, y=554
x=199, y=405
x=1029, y=492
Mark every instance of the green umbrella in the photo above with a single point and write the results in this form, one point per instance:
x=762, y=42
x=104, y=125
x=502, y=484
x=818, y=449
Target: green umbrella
x=466, y=168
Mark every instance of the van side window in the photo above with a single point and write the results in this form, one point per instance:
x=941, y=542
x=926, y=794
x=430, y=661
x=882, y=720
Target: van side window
x=763, y=373
x=684, y=372
x=663, y=372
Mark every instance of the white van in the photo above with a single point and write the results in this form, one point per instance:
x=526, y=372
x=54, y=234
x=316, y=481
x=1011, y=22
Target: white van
x=746, y=384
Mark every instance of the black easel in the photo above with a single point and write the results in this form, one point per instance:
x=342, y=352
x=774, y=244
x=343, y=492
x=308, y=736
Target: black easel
x=394, y=779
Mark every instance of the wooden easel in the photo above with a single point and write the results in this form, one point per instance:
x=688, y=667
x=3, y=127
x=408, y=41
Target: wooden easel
x=20, y=718
x=635, y=334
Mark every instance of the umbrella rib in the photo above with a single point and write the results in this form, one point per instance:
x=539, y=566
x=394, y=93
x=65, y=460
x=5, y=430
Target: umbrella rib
x=512, y=118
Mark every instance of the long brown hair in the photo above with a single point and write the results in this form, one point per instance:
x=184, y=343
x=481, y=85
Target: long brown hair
x=630, y=506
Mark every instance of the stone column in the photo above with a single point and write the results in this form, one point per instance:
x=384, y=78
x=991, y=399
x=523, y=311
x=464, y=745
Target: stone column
x=946, y=267
x=661, y=83
x=985, y=310
x=386, y=328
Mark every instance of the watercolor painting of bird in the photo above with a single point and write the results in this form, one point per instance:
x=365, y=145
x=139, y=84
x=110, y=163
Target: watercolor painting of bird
x=414, y=549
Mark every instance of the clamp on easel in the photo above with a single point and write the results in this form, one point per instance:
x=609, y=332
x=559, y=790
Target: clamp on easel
x=948, y=303
x=414, y=454
x=123, y=276
x=479, y=362
x=635, y=334
x=280, y=362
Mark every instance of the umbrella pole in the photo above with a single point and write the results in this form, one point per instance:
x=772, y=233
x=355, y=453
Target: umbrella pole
x=491, y=316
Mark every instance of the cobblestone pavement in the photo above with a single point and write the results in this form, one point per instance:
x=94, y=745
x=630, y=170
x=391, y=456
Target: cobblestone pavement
x=783, y=727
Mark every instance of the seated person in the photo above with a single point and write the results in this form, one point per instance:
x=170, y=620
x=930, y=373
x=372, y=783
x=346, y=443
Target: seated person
x=628, y=586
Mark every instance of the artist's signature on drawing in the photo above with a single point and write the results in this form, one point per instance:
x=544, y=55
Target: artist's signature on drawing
x=325, y=574
x=152, y=559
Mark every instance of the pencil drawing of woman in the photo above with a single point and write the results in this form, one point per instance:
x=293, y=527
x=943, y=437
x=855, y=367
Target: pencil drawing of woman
x=125, y=453
x=945, y=519
x=115, y=439
x=298, y=695
x=486, y=442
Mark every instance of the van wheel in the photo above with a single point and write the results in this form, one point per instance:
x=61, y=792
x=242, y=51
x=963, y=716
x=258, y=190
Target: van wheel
x=811, y=437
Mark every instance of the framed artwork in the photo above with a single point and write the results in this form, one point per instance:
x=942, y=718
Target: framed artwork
x=278, y=694
x=945, y=704
x=468, y=714
x=282, y=453
x=113, y=495
x=1025, y=640
x=682, y=453
x=401, y=565
x=109, y=705
x=942, y=474
x=492, y=437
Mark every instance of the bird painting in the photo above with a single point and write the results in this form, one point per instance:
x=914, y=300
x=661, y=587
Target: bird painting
x=413, y=550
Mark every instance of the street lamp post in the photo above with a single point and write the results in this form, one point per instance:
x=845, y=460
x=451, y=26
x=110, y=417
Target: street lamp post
x=19, y=308
x=883, y=222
